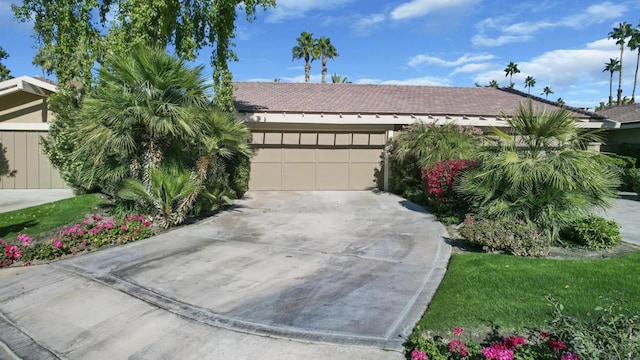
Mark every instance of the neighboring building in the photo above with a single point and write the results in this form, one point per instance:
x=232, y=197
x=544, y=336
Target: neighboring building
x=332, y=136
x=24, y=118
x=624, y=139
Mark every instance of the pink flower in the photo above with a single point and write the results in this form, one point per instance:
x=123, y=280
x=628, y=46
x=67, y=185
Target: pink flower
x=87, y=222
x=457, y=331
x=146, y=223
x=17, y=254
x=419, y=355
x=513, y=342
x=1, y=242
x=556, y=345
x=96, y=217
x=26, y=263
x=57, y=243
x=457, y=346
x=124, y=228
x=569, y=356
x=137, y=230
x=497, y=351
x=544, y=335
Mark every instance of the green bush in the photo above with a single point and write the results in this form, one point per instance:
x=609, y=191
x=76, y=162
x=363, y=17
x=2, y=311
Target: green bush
x=593, y=231
x=624, y=167
x=515, y=237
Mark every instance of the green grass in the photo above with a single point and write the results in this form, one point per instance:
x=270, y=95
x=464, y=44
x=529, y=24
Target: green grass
x=509, y=291
x=42, y=218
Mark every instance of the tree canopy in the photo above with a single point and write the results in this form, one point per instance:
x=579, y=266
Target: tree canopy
x=73, y=35
x=4, y=71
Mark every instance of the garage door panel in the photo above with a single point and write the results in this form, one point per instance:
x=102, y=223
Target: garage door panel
x=267, y=155
x=377, y=139
x=299, y=155
x=326, y=139
x=266, y=176
x=365, y=155
x=362, y=176
x=299, y=176
x=333, y=176
x=273, y=138
x=333, y=155
x=308, y=139
x=291, y=138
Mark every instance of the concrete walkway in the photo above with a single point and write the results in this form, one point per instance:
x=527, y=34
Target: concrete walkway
x=626, y=212
x=282, y=275
x=19, y=199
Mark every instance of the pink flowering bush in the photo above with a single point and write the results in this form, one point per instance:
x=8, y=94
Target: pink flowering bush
x=92, y=233
x=439, y=180
x=544, y=347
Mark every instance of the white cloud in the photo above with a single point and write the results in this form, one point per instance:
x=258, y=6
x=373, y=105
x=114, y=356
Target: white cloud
x=472, y=68
x=424, y=81
x=291, y=9
x=417, y=8
x=492, y=32
x=571, y=73
x=467, y=58
x=364, y=25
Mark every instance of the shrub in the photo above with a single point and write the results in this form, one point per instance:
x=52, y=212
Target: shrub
x=516, y=237
x=593, y=231
x=419, y=145
x=540, y=173
x=438, y=182
x=624, y=168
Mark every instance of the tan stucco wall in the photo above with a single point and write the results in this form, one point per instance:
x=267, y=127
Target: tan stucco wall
x=23, y=107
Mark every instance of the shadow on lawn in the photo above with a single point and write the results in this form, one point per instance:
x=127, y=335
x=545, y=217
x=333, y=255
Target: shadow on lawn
x=4, y=230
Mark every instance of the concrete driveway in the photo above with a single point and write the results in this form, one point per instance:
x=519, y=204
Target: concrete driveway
x=14, y=199
x=282, y=275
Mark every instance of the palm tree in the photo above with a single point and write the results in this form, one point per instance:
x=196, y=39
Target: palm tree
x=540, y=172
x=511, y=69
x=306, y=49
x=149, y=113
x=493, y=84
x=326, y=51
x=337, y=79
x=612, y=66
x=620, y=34
x=529, y=82
x=634, y=44
x=560, y=102
x=546, y=91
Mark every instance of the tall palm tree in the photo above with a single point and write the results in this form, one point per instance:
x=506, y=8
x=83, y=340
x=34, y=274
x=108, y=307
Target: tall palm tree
x=546, y=91
x=337, y=79
x=306, y=49
x=326, y=51
x=511, y=69
x=529, y=82
x=634, y=44
x=620, y=34
x=612, y=66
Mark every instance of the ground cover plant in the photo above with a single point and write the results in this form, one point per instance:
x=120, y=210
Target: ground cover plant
x=35, y=220
x=587, y=307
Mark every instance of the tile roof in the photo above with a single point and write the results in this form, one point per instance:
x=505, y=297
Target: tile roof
x=625, y=114
x=382, y=99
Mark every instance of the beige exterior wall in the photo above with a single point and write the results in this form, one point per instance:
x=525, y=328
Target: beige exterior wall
x=23, y=118
x=21, y=107
x=32, y=168
x=316, y=157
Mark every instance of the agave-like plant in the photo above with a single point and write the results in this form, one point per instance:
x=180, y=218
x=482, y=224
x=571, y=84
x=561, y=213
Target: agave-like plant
x=540, y=172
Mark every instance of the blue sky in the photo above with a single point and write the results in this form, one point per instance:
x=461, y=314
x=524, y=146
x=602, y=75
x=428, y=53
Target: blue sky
x=562, y=44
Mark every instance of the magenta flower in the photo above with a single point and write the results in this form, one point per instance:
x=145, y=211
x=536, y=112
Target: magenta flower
x=419, y=355
x=513, y=342
x=569, y=356
x=556, y=345
x=1, y=242
x=497, y=351
x=25, y=239
x=146, y=223
x=544, y=335
x=87, y=222
x=57, y=243
x=124, y=228
x=457, y=331
x=457, y=346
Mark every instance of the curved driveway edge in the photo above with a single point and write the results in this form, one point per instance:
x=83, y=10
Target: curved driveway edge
x=324, y=274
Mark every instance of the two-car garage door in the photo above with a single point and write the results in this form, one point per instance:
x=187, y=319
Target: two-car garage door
x=316, y=160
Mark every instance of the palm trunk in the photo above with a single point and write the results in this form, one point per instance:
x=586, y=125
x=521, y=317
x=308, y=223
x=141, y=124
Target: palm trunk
x=199, y=177
x=307, y=70
x=611, y=89
x=635, y=80
x=324, y=68
x=620, y=78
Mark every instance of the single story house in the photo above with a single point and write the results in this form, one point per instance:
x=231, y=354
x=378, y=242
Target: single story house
x=311, y=136
x=24, y=118
x=625, y=138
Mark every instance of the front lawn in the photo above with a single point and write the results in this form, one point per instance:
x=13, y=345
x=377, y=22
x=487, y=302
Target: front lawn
x=481, y=289
x=43, y=218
